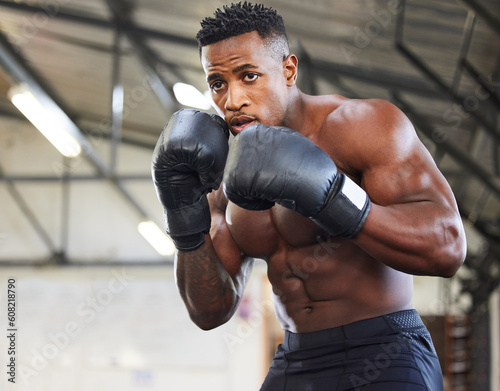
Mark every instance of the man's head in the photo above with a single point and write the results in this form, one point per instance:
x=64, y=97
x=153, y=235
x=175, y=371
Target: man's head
x=243, y=18
x=250, y=73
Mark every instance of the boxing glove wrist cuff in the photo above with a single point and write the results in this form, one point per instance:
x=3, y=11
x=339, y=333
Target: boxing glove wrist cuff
x=189, y=242
x=188, y=225
x=345, y=211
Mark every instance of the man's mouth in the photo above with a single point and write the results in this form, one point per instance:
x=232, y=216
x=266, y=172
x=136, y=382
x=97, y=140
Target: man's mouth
x=241, y=122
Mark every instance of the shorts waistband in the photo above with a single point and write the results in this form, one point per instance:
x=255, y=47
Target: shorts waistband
x=361, y=329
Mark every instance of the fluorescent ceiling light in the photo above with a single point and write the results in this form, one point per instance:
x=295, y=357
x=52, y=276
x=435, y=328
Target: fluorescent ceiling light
x=156, y=238
x=188, y=95
x=52, y=123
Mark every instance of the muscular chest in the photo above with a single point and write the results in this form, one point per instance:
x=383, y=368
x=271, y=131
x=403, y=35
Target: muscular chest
x=262, y=233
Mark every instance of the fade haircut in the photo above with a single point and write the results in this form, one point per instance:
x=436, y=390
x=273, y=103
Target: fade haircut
x=244, y=18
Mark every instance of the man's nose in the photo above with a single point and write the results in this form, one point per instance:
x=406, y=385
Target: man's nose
x=236, y=99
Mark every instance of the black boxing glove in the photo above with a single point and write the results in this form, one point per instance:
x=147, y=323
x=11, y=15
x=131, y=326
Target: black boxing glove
x=188, y=162
x=268, y=164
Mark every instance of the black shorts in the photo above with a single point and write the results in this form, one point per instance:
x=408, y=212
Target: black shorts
x=390, y=352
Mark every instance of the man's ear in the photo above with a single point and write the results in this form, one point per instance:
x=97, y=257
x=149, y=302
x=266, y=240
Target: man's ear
x=290, y=66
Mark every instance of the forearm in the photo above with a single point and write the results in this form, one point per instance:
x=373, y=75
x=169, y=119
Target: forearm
x=209, y=293
x=417, y=238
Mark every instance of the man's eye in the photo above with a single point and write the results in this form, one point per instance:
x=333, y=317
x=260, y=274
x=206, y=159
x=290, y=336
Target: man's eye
x=216, y=86
x=251, y=76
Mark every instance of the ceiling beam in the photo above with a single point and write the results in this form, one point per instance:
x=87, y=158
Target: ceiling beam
x=93, y=21
x=76, y=178
x=466, y=161
x=137, y=34
x=484, y=13
x=378, y=77
x=29, y=215
x=15, y=67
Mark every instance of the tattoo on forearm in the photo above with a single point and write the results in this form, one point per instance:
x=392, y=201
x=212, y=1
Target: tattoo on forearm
x=200, y=278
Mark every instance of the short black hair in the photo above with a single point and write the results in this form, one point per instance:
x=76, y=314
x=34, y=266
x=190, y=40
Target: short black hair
x=242, y=18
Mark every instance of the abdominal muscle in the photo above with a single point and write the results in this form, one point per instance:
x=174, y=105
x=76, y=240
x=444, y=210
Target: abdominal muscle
x=318, y=282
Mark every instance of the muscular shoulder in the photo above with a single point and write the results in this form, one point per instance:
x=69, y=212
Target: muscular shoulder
x=362, y=133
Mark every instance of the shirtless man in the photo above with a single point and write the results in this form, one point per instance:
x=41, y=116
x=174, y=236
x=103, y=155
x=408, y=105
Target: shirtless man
x=338, y=196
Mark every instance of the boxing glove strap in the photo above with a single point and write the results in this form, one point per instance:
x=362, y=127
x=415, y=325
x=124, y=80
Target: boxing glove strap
x=344, y=213
x=188, y=225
